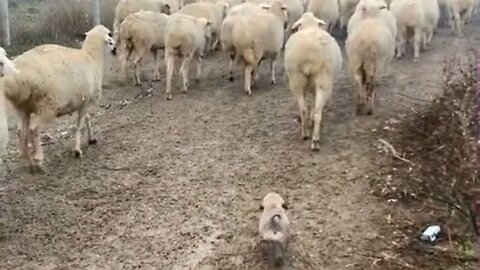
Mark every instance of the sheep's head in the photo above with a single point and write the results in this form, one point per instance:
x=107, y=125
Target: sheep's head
x=280, y=9
x=273, y=200
x=307, y=20
x=371, y=8
x=7, y=67
x=106, y=35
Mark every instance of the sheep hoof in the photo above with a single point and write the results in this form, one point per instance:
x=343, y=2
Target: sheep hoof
x=197, y=81
x=274, y=81
x=92, y=142
x=249, y=92
x=315, y=146
x=305, y=137
x=230, y=78
x=78, y=153
x=169, y=96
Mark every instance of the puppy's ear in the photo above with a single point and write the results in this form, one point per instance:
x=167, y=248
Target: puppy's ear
x=285, y=206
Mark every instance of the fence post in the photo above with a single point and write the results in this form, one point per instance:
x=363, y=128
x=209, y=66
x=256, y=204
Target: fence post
x=5, y=22
x=95, y=12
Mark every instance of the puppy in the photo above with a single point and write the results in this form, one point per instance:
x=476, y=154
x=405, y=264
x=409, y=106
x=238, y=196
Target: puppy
x=274, y=226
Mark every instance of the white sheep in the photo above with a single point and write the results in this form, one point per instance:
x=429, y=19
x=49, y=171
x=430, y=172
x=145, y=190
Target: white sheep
x=273, y=227
x=370, y=48
x=312, y=61
x=7, y=67
x=461, y=11
x=346, y=10
x=247, y=9
x=142, y=33
x=185, y=36
x=325, y=10
x=410, y=15
x=295, y=9
x=432, y=16
x=254, y=37
x=445, y=12
x=213, y=12
x=127, y=7
x=55, y=81
x=386, y=15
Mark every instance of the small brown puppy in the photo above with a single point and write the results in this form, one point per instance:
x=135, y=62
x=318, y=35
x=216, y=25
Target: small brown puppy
x=274, y=226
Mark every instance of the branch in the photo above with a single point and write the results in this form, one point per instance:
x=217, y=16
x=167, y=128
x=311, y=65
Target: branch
x=394, y=152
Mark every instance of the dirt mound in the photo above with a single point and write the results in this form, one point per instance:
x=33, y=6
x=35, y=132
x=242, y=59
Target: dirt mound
x=433, y=175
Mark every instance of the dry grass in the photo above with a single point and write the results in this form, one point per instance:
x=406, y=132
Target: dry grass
x=36, y=22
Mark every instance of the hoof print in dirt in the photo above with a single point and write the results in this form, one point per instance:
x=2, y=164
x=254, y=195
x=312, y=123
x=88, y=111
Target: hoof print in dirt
x=92, y=142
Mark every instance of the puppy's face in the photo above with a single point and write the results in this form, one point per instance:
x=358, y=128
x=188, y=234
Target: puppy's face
x=273, y=200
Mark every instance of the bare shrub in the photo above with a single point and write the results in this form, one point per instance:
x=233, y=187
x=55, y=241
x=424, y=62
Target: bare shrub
x=437, y=174
x=64, y=18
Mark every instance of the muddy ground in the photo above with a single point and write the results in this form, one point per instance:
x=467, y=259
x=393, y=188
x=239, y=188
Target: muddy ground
x=177, y=184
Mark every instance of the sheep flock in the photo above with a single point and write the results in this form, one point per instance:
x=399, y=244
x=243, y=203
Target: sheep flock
x=247, y=33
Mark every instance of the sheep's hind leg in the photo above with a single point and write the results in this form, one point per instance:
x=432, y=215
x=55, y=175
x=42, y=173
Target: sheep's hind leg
x=23, y=150
x=297, y=87
x=272, y=70
x=170, y=59
x=36, y=161
x=156, y=60
x=91, y=138
x=184, y=68
x=82, y=115
x=232, y=59
x=199, y=69
x=322, y=94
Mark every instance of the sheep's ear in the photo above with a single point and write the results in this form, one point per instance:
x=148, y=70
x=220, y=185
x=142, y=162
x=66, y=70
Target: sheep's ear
x=167, y=9
x=266, y=7
x=285, y=206
x=321, y=23
x=261, y=207
x=284, y=8
x=295, y=26
x=384, y=7
x=208, y=23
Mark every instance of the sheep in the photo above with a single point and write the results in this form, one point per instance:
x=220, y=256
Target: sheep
x=295, y=9
x=213, y=12
x=142, y=32
x=326, y=10
x=312, y=60
x=7, y=67
x=445, y=12
x=185, y=36
x=387, y=16
x=231, y=3
x=432, y=15
x=461, y=11
x=127, y=7
x=346, y=10
x=410, y=15
x=273, y=227
x=254, y=37
x=369, y=48
x=55, y=81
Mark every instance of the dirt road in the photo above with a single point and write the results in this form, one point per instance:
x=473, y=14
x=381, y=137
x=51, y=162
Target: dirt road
x=177, y=184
